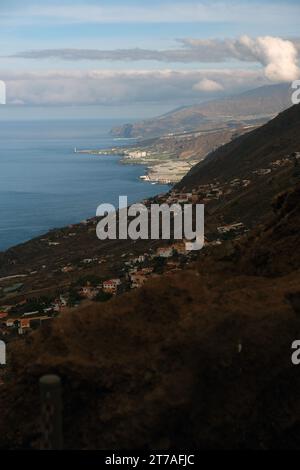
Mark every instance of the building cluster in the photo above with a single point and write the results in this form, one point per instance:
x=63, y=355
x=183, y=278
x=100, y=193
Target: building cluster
x=136, y=154
x=19, y=319
x=91, y=292
x=19, y=323
x=288, y=160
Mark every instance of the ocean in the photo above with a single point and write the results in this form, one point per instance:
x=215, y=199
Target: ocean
x=45, y=185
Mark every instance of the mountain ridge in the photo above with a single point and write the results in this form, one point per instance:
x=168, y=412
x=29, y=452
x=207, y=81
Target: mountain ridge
x=257, y=104
x=276, y=139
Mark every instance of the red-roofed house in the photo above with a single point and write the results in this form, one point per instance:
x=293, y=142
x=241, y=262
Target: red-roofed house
x=24, y=323
x=111, y=286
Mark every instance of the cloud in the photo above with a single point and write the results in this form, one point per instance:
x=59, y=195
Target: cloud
x=110, y=87
x=208, y=86
x=278, y=56
x=136, y=54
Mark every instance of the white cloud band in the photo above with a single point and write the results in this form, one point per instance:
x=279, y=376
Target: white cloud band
x=278, y=56
x=108, y=87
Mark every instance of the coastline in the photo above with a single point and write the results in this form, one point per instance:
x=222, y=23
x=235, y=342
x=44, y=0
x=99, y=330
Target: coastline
x=161, y=168
x=77, y=206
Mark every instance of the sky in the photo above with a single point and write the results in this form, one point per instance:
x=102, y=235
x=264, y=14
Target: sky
x=130, y=58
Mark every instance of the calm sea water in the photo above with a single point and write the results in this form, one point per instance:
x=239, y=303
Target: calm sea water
x=44, y=184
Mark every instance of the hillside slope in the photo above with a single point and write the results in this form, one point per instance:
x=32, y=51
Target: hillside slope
x=199, y=358
x=276, y=139
x=196, y=359
x=261, y=103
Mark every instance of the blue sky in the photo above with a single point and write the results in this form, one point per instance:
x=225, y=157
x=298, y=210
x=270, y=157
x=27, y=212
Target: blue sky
x=52, y=22
x=143, y=55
